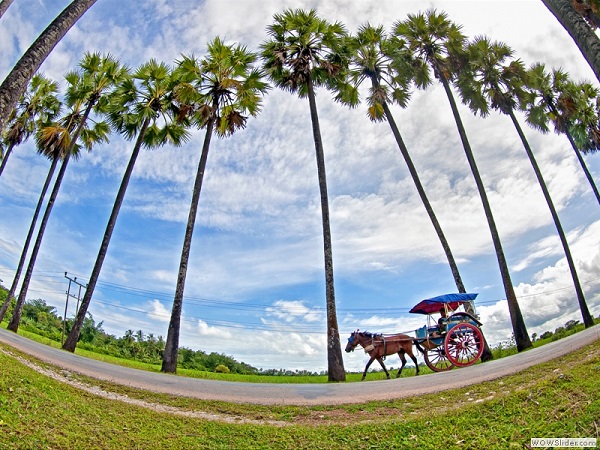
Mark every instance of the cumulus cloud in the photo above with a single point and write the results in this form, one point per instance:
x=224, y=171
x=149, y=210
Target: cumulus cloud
x=258, y=237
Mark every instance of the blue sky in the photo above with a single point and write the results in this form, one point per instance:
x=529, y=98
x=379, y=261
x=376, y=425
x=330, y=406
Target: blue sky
x=255, y=286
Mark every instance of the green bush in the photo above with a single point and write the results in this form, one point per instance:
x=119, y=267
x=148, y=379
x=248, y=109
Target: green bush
x=222, y=369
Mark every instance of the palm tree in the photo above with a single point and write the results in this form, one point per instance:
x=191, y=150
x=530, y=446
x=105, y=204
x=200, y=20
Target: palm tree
x=490, y=77
x=16, y=81
x=578, y=106
x=38, y=106
x=60, y=138
x=437, y=44
x=217, y=94
x=140, y=106
x=570, y=106
x=85, y=91
x=4, y=4
x=54, y=154
x=373, y=56
x=303, y=53
x=371, y=60
x=575, y=24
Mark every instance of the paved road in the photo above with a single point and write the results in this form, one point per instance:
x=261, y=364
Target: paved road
x=300, y=394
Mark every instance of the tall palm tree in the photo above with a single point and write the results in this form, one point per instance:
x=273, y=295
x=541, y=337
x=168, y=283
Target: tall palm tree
x=578, y=106
x=61, y=138
x=54, y=154
x=37, y=108
x=492, y=77
x=376, y=58
x=4, y=4
x=86, y=87
x=570, y=106
x=580, y=31
x=140, y=106
x=39, y=105
x=16, y=81
x=305, y=52
x=437, y=44
x=372, y=60
x=218, y=93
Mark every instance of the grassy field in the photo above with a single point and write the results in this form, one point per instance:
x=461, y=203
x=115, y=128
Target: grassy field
x=557, y=399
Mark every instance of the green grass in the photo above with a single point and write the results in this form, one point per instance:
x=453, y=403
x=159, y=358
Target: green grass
x=374, y=374
x=560, y=398
x=350, y=377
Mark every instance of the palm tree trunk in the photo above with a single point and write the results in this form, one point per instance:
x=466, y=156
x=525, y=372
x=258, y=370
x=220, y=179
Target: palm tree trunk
x=4, y=4
x=487, y=353
x=5, y=158
x=518, y=323
x=16, y=318
x=579, y=30
x=36, y=213
x=335, y=362
x=169, y=363
x=584, y=167
x=73, y=337
x=436, y=225
x=587, y=318
x=15, y=83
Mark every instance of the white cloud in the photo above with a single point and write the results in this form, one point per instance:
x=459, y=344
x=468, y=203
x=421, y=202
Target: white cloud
x=258, y=236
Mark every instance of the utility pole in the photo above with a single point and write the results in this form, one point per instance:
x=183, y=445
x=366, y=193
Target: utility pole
x=78, y=297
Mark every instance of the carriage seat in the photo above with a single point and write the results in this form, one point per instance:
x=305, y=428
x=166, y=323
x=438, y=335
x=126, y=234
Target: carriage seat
x=425, y=332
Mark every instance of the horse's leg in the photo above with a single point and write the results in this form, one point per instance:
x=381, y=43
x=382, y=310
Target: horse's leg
x=403, y=359
x=414, y=358
x=384, y=369
x=367, y=368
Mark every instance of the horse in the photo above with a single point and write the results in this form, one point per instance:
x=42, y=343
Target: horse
x=378, y=346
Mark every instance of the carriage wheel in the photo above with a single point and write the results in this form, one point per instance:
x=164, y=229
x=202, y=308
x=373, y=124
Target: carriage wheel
x=437, y=360
x=464, y=344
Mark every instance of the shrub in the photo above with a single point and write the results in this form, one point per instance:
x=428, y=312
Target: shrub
x=221, y=368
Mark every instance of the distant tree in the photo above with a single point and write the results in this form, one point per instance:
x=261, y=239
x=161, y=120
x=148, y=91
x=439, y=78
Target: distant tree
x=221, y=368
x=546, y=335
x=571, y=324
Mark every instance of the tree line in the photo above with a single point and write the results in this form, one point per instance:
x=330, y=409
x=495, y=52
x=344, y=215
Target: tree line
x=159, y=104
x=40, y=318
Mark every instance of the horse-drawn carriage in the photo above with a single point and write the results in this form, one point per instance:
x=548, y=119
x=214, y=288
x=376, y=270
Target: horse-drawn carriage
x=454, y=340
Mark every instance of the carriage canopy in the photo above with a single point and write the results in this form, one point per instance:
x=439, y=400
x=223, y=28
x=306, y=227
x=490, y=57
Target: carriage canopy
x=433, y=305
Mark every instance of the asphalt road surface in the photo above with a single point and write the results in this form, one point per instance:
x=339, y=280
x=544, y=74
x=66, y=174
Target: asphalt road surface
x=300, y=394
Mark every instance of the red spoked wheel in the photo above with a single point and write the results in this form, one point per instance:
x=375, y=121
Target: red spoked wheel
x=464, y=344
x=437, y=360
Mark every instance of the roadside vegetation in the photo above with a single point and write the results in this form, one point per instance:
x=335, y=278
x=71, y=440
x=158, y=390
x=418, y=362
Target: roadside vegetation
x=556, y=399
x=144, y=351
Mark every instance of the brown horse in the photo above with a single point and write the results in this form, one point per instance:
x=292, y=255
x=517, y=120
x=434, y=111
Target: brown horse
x=378, y=346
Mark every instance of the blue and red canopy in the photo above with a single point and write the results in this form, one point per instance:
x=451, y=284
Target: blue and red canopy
x=433, y=305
